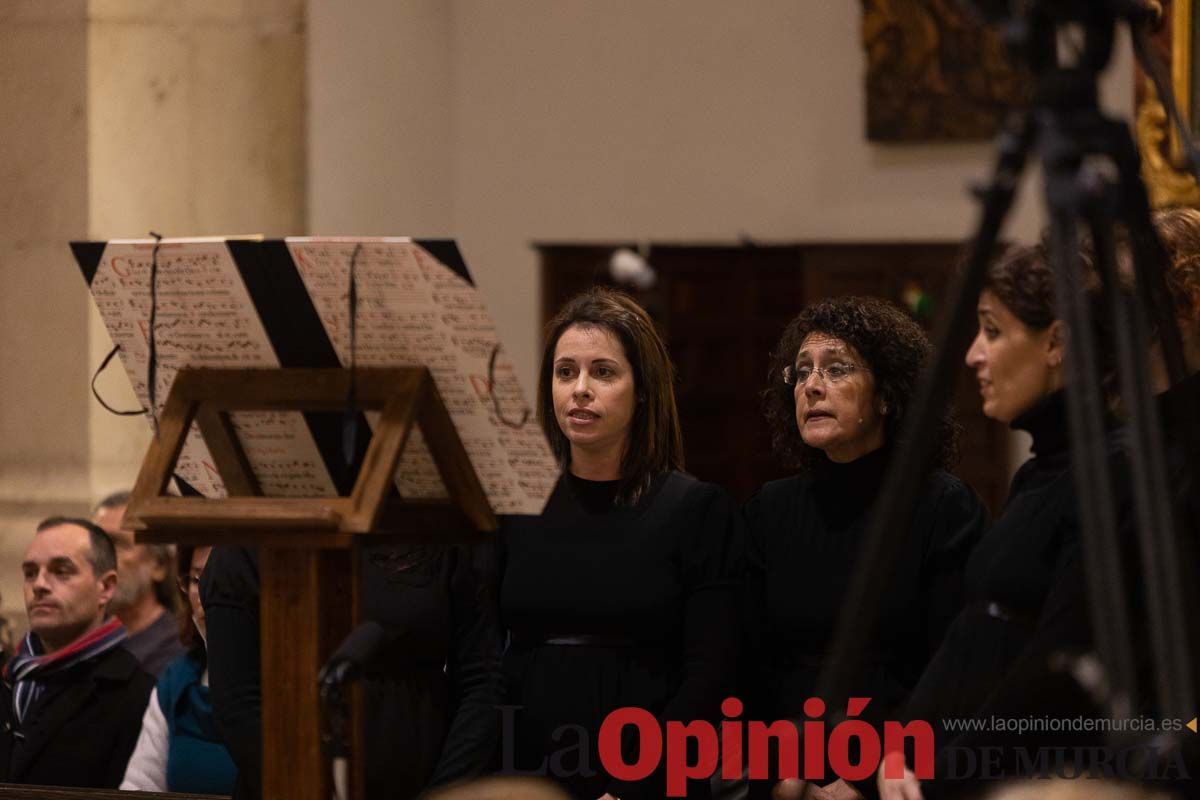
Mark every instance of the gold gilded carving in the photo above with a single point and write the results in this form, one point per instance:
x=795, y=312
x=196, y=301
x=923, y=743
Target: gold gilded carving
x=1167, y=185
x=1167, y=181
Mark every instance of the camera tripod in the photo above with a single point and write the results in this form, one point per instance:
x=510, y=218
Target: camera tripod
x=1091, y=172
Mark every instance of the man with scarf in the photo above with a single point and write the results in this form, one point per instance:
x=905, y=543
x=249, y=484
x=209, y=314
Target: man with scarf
x=71, y=699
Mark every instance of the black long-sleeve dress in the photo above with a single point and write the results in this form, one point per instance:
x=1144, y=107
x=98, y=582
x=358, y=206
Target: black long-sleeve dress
x=803, y=537
x=429, y=695
x=610, y=606
x=1026, y=604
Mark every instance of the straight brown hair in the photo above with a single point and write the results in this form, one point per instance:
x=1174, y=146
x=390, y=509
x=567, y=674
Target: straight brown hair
x=655, y=442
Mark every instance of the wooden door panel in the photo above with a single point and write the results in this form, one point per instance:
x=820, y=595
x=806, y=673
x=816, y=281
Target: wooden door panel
x=722, y=308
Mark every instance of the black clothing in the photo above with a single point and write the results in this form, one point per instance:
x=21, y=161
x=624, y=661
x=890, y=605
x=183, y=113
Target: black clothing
x=229, y=589
x=81, y=730
x=803, y=537
x=429, y=695
x=1178, y=407
x=609, y=606
x=157, y=645
x=1027, y=604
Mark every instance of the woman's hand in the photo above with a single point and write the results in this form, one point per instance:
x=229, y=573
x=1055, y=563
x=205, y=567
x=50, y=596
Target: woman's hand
x=905, y=788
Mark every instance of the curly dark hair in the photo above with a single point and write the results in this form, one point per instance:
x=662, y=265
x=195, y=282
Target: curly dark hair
x=891, y=343
x=1022, y=279
x=1179, y=229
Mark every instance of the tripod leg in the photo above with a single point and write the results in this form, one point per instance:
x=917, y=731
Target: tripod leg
x=1089, y=452
x=1162, y=579
x=860, y=608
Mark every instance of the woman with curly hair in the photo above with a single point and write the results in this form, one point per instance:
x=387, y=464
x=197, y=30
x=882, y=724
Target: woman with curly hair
x=840, y=382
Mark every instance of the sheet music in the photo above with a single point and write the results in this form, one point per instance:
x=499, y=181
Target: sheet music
x=204, y=319
x=412, y=309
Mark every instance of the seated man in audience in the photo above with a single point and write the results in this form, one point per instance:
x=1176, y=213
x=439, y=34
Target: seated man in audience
x=144, y=601
x=71, y=699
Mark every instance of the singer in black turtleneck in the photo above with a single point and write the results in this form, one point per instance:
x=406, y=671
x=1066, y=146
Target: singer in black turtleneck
x=1027, y=605
x=840, y=383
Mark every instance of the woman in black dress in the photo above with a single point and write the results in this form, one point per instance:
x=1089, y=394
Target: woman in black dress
x=841, y=379
x=624, y=592
x=429, y=695
x=1026, y=593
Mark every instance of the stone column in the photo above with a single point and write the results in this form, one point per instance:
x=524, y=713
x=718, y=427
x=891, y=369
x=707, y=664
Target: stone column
x=121, y=116
x=43, y=307
x=196, y=128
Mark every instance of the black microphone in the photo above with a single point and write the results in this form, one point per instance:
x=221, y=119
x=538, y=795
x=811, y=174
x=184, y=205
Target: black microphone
x=355, y=651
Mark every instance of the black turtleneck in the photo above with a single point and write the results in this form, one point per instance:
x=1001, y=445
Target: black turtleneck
x=1046, y=422
x=1027, y=601
x=615, y=605
x=803, y=536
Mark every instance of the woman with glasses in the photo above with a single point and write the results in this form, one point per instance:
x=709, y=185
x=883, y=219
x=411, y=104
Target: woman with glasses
x=179, y=748
x=625, y=591
x=840, y=382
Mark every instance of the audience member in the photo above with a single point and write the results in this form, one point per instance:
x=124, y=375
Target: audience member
x=179, y=749
x=71, y=698
x=143, y=601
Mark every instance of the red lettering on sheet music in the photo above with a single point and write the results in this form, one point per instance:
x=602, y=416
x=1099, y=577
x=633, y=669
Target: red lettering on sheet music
x=144, y=326
x=302, y=257
x=120, y=267
x=482, y=387
x=212, y=471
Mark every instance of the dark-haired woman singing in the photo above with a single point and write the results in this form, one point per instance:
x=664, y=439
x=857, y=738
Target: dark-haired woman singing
x=625, y=591
x=841, y=381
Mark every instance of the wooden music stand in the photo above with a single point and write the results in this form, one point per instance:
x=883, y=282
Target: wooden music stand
x=308, y=555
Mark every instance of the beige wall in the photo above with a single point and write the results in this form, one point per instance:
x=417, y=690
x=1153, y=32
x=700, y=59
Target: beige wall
x=121, y=116
x=506, y=123
x=499, y=123
x=196, y=128
x=43, y=312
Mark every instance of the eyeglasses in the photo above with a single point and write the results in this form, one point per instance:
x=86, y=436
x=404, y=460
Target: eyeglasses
x=834, y=373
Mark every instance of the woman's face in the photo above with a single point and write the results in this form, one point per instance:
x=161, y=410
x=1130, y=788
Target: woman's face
x=1016, y=366
x=840, y=417
x=593, y=391
x=199, y=559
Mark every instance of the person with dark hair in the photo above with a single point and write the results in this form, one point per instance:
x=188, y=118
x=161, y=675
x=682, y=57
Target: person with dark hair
x=624, y=592
x=428, y=694
x=839, y=385
x=1026, y=586
x=179, y=748
x=144, y=600
x=71, y=697
x=1179, y=230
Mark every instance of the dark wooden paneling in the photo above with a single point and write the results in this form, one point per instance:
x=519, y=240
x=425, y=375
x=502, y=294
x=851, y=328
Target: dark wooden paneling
x=721, y=309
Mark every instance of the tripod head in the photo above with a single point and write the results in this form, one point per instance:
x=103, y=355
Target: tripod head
x=1055, y=35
